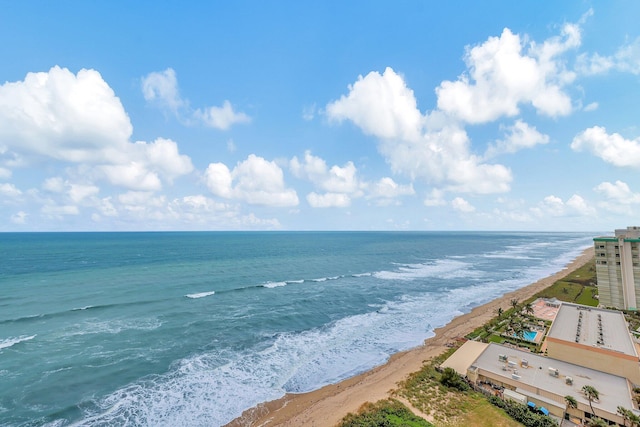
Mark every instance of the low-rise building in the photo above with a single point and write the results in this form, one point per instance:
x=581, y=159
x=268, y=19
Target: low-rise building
x=543, y=381
x=595, y=338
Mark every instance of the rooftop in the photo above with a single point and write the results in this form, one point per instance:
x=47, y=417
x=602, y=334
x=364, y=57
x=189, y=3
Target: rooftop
x=593, y=327
x=614, y=390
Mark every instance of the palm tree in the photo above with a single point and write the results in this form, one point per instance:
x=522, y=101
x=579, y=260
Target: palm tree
x=500, y=311
x=591, y=394
x=634, y=420
x=597, y=422
x=625, y=414
x=514, y=302
x=528, y=308
x=571, y=402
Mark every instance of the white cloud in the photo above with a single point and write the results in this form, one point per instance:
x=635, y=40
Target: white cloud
x=554, y=206
x=618, y=192
x=54, y=184
x=106, y=208
x=134, y=176
x=219, y=180
x=334, y=181
x=60, y=116
x=5, y=173
x=9, y=190
x=591, y=107
x=613, y=148
x=79, y=192
x=380, y=105
x=389, y=189
x=161, y=88
x=328, y=200
x=430, y=147
x=626, y=59
x=501, y=77
x=435, y=198
x=163, y=156
x=341, y=184
x=461, y=205
x=518, y=136
x=221, y=117
x=255, y=180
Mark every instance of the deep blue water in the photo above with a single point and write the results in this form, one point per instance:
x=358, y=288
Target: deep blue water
x=170, y=329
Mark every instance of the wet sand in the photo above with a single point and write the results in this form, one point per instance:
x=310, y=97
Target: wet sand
x=327, y=406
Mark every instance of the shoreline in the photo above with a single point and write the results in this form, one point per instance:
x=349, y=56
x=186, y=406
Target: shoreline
x=329, y=404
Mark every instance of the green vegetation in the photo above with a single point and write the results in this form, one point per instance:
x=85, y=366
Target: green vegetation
x=578, y=287
x=521, y=413
x=428, y=392
x=384, y=413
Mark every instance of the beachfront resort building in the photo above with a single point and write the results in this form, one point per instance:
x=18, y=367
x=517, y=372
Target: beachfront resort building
x=584, y=346
x=618, y=269
x=595, y=338
x=542, y=382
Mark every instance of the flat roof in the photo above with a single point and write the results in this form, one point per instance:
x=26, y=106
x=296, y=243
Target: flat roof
x=614, y=390
x=585, y=324
x=461, y=360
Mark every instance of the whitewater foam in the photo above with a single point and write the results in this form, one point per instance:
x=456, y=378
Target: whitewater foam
x=10, y=342
x=200, y=295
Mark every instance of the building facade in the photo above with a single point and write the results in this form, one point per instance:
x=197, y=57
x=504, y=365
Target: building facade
x=618, y=269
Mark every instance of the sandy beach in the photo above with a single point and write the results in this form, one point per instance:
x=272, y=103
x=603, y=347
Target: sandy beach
x=328, y=405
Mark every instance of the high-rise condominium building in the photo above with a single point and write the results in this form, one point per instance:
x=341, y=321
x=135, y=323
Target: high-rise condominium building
x=618, y=268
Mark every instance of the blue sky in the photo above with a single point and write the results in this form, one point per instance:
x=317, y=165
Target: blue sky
x=327, y=115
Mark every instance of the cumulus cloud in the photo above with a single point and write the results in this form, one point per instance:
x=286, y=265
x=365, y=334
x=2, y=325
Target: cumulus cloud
x=626, y=59
x=60, y=115
x=430, y=147
x=612, y=148
x=618, y=192
x=340, y=183
x=9, y=190
x=381, y=105
x=221, y=117
x=160, y=88
x=503, y=73
x=387, y=188
x=554, y=206
x=619, y=197
x=255, y=180
x=77, y=119
x=517, y=137
x=336, y=179
x=461, y=205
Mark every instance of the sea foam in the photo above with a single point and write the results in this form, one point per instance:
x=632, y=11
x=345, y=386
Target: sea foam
x=10, y=342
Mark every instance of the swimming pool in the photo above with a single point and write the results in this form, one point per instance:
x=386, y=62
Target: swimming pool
x=530, y=335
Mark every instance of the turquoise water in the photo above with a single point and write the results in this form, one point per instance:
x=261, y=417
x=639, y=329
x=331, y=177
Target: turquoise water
x=170, y=329
x=529, y=335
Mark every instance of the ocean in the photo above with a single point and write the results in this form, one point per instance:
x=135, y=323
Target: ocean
x=191, y=329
